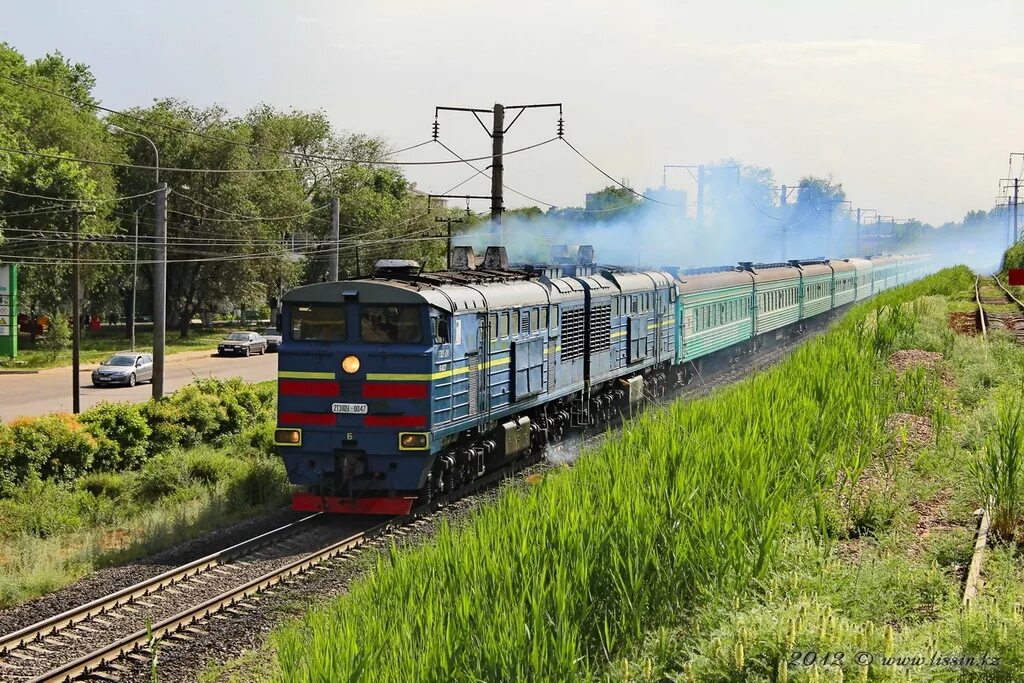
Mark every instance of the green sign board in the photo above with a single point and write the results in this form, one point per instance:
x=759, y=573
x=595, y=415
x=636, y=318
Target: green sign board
x=8, y=310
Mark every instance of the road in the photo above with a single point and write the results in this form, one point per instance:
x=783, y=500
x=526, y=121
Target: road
x=49, y=391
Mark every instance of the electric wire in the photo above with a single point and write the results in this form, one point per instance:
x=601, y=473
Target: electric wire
x=619, y=183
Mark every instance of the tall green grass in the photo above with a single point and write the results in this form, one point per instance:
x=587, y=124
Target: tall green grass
x=1000, y=468
x=554, y=582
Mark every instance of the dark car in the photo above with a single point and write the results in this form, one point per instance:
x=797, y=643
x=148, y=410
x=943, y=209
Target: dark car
x=242, y=344
x=126, y=367
x=273, y=338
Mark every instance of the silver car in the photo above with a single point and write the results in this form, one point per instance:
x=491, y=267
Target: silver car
x=125, y=367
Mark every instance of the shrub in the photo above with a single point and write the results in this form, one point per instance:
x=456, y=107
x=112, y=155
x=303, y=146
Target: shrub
x=258, y=438
x=40, y=508
x=166, y=430
x=55, y=447
x=58, y=337
x=160, y=477
x=209, y=467
x=109, y=484
x=199, y=411
x=125, y=427
x=8, y=467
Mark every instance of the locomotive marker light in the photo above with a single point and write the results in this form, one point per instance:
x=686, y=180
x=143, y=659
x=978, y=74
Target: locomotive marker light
x=413, y=441
x=350, y=365
x=287, y=437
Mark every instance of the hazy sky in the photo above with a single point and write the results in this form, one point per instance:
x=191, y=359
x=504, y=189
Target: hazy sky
x=913, y=106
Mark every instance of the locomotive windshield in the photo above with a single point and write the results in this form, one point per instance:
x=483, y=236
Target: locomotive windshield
x=318, y=322
x=390, y=325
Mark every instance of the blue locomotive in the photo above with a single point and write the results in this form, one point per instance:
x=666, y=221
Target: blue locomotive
x=407, y=386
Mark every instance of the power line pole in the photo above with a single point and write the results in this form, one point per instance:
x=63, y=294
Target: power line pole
x=160, y=291
x=1016, y=189
x=449, y=220
x=497, y=134
x=76, y=312
x=135, y=283
x=856, y=243
x=497, y=167
x=335, y=240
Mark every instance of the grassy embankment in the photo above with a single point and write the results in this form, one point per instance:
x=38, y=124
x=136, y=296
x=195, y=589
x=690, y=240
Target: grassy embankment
x=822, y=504
x=97, y=346
x=121, y=480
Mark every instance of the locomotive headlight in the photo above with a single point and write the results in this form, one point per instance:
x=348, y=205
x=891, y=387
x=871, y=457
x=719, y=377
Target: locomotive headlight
x=288, y=437
x=350, y=364
x=413, y=441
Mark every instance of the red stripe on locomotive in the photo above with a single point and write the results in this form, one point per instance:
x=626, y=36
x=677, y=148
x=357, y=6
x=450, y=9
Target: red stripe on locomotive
x=395, y=390
x=298, y=387
x=323, y=419
x=406, y=421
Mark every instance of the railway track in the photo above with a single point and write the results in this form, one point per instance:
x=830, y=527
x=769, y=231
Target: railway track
x=998, y=308
x=90, y=639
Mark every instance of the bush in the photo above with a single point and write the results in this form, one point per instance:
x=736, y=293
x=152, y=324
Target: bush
x=160, y=477
x=40, y=508
x=209, y=467
x=258, y=438
x=199, y=411
x=58, y=337
x=126, y=429
x=263, y=481
x=110, y=484
x=54, y=447
x=8, y=468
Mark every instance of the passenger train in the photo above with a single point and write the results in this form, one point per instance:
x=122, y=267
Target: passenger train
x=405, y=387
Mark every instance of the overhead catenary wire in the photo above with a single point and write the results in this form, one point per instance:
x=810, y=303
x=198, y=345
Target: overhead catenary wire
x=116, y=164
x=617, y=182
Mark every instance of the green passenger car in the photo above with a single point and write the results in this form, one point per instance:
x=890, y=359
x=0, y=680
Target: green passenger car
x=715, y=311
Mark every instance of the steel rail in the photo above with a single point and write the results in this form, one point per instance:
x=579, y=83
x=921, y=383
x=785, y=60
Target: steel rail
x=1008, y=293
x=126, y=596
x=981, y=309
x=103, y=657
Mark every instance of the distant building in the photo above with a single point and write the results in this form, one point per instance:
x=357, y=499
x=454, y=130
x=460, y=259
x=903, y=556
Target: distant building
x=671, y=200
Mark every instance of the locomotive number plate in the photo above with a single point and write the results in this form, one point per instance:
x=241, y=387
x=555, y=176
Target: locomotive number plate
x=349, y=408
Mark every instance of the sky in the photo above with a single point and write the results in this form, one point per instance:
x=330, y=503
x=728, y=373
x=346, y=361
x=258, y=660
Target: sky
x=914, y=106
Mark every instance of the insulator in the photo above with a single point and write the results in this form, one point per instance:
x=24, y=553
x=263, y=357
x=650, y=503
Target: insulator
x=561, y=126
x=437, y=128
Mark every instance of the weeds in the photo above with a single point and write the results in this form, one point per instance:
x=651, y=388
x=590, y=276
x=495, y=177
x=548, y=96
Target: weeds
x=1000, y=469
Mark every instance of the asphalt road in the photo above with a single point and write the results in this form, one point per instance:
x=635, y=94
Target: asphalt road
x=49, y=391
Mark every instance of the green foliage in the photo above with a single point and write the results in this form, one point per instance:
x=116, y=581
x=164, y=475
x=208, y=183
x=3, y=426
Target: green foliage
x=58, y=337
x=125, y=429
x=260, y=481
x=56, y=447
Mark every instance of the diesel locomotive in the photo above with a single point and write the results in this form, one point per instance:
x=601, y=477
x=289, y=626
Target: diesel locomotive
x=405, y=387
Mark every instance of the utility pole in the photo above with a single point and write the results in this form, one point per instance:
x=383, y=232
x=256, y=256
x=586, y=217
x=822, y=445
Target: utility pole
x=159, y=290
x=1016, y=189
x=856, y=243
x=497, y=134
x=135, y=284
x=497, y=166
x=449, y=220
x=335, y=240
x=76, y=312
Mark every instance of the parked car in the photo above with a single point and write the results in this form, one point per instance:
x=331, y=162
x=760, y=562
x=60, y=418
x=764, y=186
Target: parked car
x=273, y=338
x=124, y=367
x=242, y=343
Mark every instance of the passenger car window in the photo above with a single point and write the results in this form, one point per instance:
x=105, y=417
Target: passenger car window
x=318, y=322
x=390, y=324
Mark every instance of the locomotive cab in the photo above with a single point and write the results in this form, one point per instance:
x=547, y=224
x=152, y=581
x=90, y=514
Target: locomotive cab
x=355, y=374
